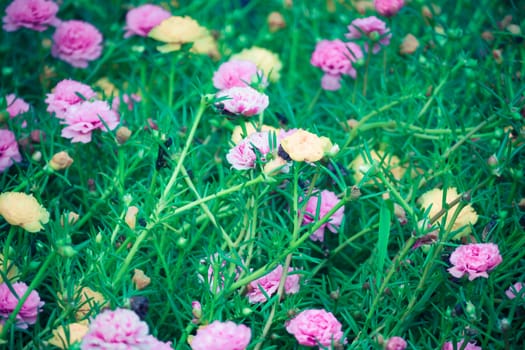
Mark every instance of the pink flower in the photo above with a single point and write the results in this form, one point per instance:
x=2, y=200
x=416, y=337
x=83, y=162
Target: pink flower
x=222, y=336
x=82, y=118
x=371, y=27
x=243, y=100
x=141, y=20
x=77, y=43
x=218, y=268
x=235, y=73
x=8, y=302
x=33, y=14
x=9, y=152
x=328, y=201
x=66, y=94
x=243, y=155
x=515, y=290
x=388, y=8
x=335, y=57
x=270, y=282
x=120, y=329
x=15, y=105
x=459, y=345
x=315, y=328
x=331, y=82
x=475, y=260
x=396, y=343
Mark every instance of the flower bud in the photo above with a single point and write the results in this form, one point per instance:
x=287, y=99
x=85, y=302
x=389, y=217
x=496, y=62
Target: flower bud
x=36, y=156
x=247, y=311
x=131, y=217
x=123, y=134
x=409, y=45
x=60, y=161
x=470, y=311
x=66, y=251
x=276, y=21
x=504, y=324
x=72, y=218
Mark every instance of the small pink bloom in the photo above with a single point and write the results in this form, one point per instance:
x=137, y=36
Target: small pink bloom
x=77, y=43
x=243, y=155
x=15, y=105
x=120, y=329
x=315, y=328
x=474, y=259
x=243, y=100
x=328, y=201
x=141, y=20
x=235, y=73
x=196, y=311
x=515, y=290
x=130, y=100
x=9, y=152
x=335, y=57
x=388, y=8
x=459, y=345
x=331, y=82
x=370, y=27
x=83, y=118
x=66, y=94
x=270, y=282
x=33, y=14
x=396, y=343
x=8, y=302
x=222, y=336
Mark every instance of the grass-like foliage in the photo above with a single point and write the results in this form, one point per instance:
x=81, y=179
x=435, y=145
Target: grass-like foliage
x=372, y=196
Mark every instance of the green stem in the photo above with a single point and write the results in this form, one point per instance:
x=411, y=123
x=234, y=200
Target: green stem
x=42, y=272
x=365, y=78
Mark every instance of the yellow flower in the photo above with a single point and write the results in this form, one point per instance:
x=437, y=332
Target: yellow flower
x=433, y=199
x=304, y=146
x=238, y=134
x=64, y=336
x=275, y=165
x=361, y=165
x=108, y=88
x=20, y=209
x=206, y=46
x=131, y=216
x=140, y=279
x=8, y=268
x=176, y=31
x=84, y=300
x=265, y=60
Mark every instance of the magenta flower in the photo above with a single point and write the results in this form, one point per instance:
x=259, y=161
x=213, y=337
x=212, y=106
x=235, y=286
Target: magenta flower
x=270, y=282
x=83, y=118
x=66, y=94
x=459, y=345
x=243, y=100
x=316, y=328
x=243, y=155
x=396, y=343
x=328, y=201
x=335, y=58
x=77, y=43
x=120, y=329
x=371, y=27
x=235, y=73
x=9, y=152
x=141, y=20
x=9, y=301
x=388, y=8
x=474, y=259
x=15, y=105
x=33, y=14
x=515, y=290
x=221, y=336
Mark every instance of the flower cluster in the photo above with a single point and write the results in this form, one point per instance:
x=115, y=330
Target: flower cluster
x=475, y=260
x=120, y=328
x=221, y=336
x=269, y=284
x=316, y=328
x=9, y=301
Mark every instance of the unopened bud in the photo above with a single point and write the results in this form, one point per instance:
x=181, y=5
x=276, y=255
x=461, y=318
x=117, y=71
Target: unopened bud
x=66, y=251
x=504, y=324
x=182, y=242
x=60, y=161
x=37, y=156
x=72, y=217
x=409, y=45
x=123, y=134
x=470, y=311
x=276, y=21
x=247, y=311
x=131, y=217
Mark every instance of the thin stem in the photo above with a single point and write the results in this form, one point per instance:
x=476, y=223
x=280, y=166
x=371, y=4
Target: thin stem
x=365, y=78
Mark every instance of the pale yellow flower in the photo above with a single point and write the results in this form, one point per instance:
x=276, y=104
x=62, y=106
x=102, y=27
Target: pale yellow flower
x=8, y=268
x=304, y=146
x=108, y=88
x=433, y=199
x=238, y=133
x=64, y=336
x=176, y=31
x=361, y=165
x=131, y=216
x=206, y=46
x=20, y=209
x=84, y=300
x=276, y=165
x=264, y=59
x=140, y=279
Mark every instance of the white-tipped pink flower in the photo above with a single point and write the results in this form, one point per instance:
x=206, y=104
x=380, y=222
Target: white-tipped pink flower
x=77, y=43
x=316, y=328
x=83, y=118
x=245, y=101
x=475, y=260
x=243, y=155
x=32, y=14
x=221, y=336
x=235, y=73
x=270, y=282
x=328, y=200
x=66, y=94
